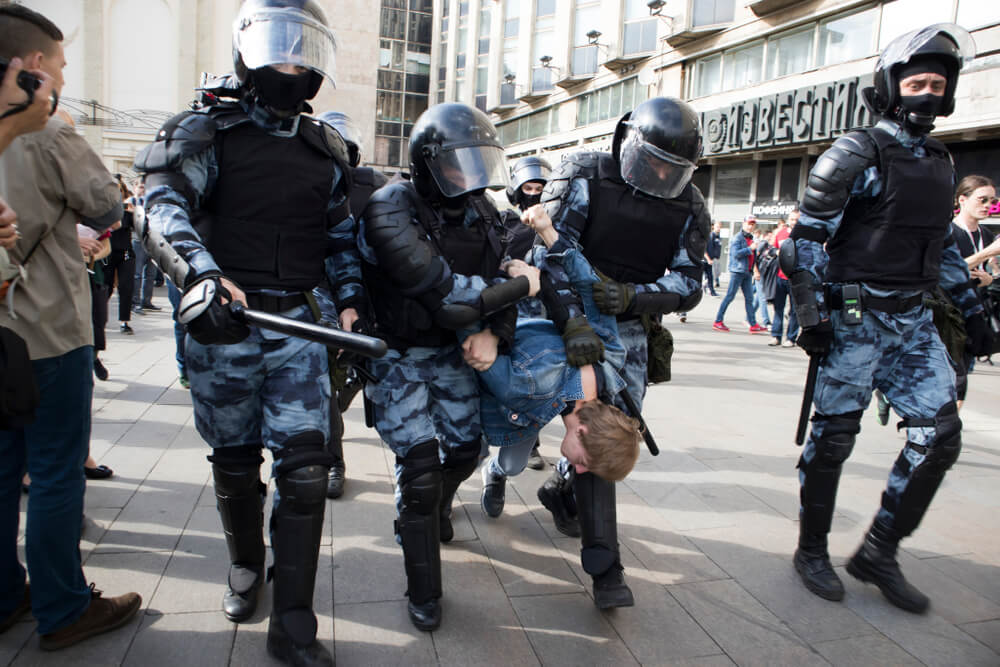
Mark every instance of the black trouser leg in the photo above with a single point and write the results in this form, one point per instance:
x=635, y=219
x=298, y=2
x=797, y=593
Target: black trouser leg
x=595, y=499
x=459, y=464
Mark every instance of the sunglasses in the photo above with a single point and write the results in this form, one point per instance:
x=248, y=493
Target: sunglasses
x=992, y=201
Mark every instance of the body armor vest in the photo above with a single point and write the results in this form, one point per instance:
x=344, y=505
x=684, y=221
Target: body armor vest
x=471, y=251
x=365, y=182
x=267, y=215
x=631, y=237
x=894, y=241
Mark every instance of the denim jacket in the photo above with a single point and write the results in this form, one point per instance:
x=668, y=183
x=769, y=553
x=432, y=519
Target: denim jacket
x=526, y=389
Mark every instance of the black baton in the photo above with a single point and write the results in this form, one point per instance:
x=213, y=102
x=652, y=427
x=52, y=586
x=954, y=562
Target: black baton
x=807, y=398
x=646, y=434
x=366, y=346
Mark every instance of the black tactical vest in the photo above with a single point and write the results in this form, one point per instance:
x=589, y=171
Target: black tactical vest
x=365, y=181
x=471, y=251
x=267, y=214
x=631, y=237
x=894, y=241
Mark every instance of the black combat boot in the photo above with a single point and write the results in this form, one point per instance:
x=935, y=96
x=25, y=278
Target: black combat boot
x=239, y=496
x=875, y=563
x=335, y=479
x=296, y=531
x=812, y=562
x=556, y=495
x=535, y=460
x=494, y=487
x=458, y=466
x=610, y=589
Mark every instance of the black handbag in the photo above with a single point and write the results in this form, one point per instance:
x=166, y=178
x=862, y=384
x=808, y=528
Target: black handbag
x=19, y=395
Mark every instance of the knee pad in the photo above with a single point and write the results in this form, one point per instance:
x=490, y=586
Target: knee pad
x=236, y=471
x=942, y=452
x=303, y=450
x=303, y=489
x=835, y=441
x=242, y=455
x=462, y=460
x=420, y=479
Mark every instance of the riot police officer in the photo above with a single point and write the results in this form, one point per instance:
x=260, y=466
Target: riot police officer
x=636, y=214
x=253, y=195
x=880, y=200
x=347, y=383
x=432, y=249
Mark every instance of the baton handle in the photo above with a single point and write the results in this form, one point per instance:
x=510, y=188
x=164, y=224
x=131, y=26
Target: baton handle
x=807, y=399
x=646, y=433
x=366, y=346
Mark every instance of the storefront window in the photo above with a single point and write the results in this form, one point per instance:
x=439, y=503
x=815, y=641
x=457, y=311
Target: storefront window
x=788, y=189
x=847, y=37
x=766, y=172
x=732, y=183
x=790, y=54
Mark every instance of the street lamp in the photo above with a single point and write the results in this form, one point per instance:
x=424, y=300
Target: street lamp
x=593, y=36
x=655, y=7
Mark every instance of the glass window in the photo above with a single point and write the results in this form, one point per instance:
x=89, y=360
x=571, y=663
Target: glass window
x=903, y=16
x=588, y=17
x=788, y=190
x=585, y=59
x=508, y=94
x=711, y=12
x=484, y=31
x=389, y=106
x=847, y=37
x=977, y=13
x=384, y=56
x=628, y=94
x=511, y=27
x=426, y=6
x=418, y=63
x=541, y=79
x=463, y=8
x=398, y=55
x=639, y=36
x=393, y=24
x=481, y=78
x=417, y=83
x=388, y=80
x=702, y=178
x=742, y=67
x=636, y=9
x=545, y=8
x=415, y=105
x=790, y=53
x=732, y=182
x=708, y=76
x=420, y=27
x=766, y=173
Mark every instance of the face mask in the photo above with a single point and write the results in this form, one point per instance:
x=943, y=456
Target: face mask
x=283, y=92
x=919, y=111
x=527, y=201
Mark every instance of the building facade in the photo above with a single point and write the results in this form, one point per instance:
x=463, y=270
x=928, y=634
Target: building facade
x=775, y=81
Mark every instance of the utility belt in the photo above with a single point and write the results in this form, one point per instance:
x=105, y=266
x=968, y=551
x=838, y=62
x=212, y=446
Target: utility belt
x=851, y=297
x=274, y=303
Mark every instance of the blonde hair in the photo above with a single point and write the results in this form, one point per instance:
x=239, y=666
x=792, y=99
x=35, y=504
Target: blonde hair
x=611, y=440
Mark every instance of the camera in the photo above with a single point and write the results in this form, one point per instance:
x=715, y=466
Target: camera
x=29, y=83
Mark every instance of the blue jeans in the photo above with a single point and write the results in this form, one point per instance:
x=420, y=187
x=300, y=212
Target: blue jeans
x=738, y=281
x=781, y=293
x=145, y=274
x=174, y=295
x=760, y=302
x=53, y=449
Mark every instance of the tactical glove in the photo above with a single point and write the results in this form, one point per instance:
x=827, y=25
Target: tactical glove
x=583, y=346
x=613, y=297
x=206, y=318
x=979, y=339
x=816, y=340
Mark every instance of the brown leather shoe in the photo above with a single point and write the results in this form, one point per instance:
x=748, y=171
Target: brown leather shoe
x=23, y=607
x=101, y=616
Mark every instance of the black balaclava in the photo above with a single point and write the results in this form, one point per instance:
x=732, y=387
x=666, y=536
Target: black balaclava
x=284, y=93
x=527, y=201
x=919, y=111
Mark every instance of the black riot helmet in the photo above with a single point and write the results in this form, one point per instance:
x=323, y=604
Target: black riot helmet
x=454, y=150
x=273, y=32
x=657, y=146
x=343, y=124
x=531, y=169
x=941, y=48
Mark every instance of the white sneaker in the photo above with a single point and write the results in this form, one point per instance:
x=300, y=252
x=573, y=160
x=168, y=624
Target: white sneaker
x=788, y=343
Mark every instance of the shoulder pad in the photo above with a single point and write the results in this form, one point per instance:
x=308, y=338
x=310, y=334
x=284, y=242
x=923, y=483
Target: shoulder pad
x=186, y=134
x=325, y=139
x=389, y=200
x=575, y=165
x=830, y=181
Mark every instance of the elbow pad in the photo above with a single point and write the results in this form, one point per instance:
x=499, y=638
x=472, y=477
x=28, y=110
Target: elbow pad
x=829, y=184
x=802, y=288
x=556, y=310
x=660, y=302
x=501, y=295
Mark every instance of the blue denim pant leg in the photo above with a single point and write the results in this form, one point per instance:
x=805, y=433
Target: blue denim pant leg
x=780, y=296
x=54, y=447
x=747, y=287
x=738, y=281
x=145, y=275
x=512, y=458
x=174, y=295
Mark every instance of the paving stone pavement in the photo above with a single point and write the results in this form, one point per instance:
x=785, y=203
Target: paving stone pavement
x=707, y=530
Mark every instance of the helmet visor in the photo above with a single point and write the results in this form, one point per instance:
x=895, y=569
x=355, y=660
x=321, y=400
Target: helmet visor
x=901, y=49
x=530, y=172
x=468, y=168
x=652, y=170
x=273, y=37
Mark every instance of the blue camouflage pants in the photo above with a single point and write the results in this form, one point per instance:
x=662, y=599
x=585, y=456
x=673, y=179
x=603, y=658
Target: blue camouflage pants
x=262, y=391
x=423, y=394
x=903, y=357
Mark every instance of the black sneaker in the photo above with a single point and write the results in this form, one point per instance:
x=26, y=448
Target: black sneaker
x=552, y=495
x=150, y=306
x=137, y=309
x=126, y=329
x=494, y=487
